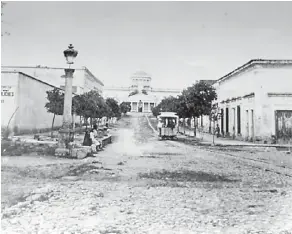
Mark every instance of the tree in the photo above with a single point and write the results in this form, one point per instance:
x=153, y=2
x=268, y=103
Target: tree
x=199, y=98
x=125, y=107
x=103, y=110
x=88, y=105
x=168, y=104
x=156, y=110
x=55, y=104
x=182, y=109
x=77, y=105
x=115, y=110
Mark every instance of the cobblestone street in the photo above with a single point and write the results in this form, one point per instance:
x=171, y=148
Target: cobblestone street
x=139, y=184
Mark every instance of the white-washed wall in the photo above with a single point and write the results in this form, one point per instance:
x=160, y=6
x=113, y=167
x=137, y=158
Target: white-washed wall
x=31, y=100
x=82, y=81
x=238, y=85
x=246, y=108
x=260, y=81
x=275, y=80
x=9, y=96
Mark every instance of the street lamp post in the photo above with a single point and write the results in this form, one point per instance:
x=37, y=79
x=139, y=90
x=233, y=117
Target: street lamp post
x=66, y=133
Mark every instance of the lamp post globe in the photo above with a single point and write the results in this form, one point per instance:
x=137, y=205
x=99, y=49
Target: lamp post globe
x=70, y=54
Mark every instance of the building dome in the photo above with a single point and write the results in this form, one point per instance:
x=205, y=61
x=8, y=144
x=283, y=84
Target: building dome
x=141, y=74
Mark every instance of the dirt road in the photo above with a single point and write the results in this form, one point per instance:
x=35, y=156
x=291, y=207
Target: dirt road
x=141, y=185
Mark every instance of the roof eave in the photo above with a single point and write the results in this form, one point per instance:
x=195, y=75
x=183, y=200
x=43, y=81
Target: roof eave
x=252, y=63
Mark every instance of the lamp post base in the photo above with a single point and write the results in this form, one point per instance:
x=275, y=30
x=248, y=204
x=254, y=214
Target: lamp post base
x=65, y=137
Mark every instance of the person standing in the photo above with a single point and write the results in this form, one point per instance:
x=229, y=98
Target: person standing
x=87, y=140
x=159, y=126
x=218, y=131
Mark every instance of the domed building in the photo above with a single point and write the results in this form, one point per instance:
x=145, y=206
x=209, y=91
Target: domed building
x=141, y=81
x=140, y=93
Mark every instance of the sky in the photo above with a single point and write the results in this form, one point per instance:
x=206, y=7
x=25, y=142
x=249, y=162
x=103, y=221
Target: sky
x=177, y=43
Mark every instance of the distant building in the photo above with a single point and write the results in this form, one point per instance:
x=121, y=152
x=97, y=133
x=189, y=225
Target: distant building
x=83, y=80
x=140, y=93
x=255, y=101
x=23, y=95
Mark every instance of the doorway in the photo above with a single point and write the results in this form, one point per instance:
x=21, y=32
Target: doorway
x=134, y=106
x=283, y=125
x=233, y=122
x=238, y=120
x=252, y=124
x=222, y=122
x=227, y=120
x=146, y=107
x=247, y=124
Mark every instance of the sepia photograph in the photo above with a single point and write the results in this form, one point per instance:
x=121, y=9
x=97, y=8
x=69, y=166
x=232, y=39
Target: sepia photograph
x=146, y=117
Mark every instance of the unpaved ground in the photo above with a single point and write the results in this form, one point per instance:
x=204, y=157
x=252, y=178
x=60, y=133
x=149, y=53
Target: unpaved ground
x=142, y=185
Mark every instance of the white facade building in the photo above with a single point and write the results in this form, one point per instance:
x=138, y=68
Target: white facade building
x=145, y=96
x=23, y=95
x=255, y=101
x=83, y=80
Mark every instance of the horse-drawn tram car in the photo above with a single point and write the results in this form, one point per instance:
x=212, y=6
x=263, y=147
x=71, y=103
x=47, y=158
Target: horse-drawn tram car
x=168, y=125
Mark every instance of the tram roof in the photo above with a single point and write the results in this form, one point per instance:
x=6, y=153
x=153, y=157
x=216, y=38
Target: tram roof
x=168, y=114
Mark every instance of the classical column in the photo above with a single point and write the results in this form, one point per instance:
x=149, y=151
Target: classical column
x=67, y=115
x=65, y=133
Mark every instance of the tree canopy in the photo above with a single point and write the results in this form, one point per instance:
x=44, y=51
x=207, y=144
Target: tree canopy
x=194, y=101
x=168, y=104
x=199, y=98
x=115, y=110
x=88, y=105
x=55, y=102
x=182, y=108
x=125, y=107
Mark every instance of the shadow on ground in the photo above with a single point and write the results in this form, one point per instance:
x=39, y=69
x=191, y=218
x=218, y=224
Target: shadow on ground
x=186, y=176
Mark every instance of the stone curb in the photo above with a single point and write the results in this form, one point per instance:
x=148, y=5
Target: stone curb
x=202, y=142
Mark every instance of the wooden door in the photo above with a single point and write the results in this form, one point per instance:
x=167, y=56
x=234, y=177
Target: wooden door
x=283, y=125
